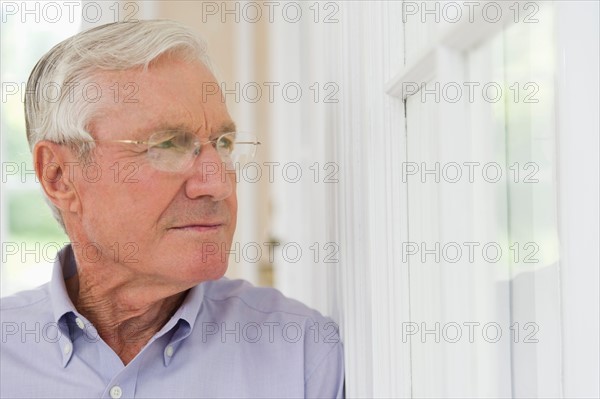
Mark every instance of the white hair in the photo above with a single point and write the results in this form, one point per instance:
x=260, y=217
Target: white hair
x=55, y=107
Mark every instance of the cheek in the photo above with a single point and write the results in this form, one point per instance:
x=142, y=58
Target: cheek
x=131, y=206
x=232, y=204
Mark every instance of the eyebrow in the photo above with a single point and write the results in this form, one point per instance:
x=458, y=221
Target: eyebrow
x=226, y=127
x=165, y=127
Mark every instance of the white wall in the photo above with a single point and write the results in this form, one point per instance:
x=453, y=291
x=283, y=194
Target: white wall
x=578, y=175
x=381, y=293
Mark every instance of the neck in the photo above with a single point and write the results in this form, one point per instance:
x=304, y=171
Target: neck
x=125, y=312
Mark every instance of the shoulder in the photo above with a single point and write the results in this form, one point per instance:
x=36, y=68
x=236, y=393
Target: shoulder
x=248, y=298
x=299, y=330
x=37, y=299
x=239, y=302
x=25, y=316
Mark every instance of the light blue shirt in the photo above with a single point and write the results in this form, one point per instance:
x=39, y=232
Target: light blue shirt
x=228, y=339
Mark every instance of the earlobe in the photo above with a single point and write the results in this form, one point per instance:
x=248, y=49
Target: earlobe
x=54, y=172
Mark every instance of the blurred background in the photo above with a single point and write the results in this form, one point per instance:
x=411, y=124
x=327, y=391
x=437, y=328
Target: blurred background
x=428, y=177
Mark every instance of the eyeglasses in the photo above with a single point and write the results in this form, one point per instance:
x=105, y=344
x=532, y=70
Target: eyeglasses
x=175, y=151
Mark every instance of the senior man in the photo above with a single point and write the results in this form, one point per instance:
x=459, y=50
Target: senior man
x=137, y=305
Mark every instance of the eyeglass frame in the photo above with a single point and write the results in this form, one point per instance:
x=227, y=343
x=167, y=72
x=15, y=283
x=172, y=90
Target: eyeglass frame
x=195, y=153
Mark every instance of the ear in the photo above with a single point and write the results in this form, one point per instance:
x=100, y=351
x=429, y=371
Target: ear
x=54, y=168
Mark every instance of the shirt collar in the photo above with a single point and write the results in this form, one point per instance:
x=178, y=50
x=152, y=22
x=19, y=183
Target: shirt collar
x=184, y=318
x=64, y=267
x=62, y=306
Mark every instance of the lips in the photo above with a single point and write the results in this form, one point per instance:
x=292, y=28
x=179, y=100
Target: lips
x=199, y=226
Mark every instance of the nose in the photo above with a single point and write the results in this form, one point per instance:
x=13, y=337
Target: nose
x=208, y=176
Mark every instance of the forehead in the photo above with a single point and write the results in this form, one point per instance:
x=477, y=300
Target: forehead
x=171, y=92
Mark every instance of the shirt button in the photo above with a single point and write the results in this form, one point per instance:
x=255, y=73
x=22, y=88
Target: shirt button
x=116, y=392
x=169, y=351
x=79, y=323
x=68, y=348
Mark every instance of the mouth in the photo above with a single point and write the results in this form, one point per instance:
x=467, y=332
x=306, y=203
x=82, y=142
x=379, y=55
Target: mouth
x=200, y=228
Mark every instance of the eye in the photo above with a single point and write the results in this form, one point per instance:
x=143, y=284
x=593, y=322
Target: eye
x=174, y=141
x=226, y=143
x=166, y=144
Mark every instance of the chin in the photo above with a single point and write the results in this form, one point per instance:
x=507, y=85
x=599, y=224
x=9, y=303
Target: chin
x=200, y=270
x=194, y=263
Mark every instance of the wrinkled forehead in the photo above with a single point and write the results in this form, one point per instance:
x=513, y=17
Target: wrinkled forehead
x=171, y=92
